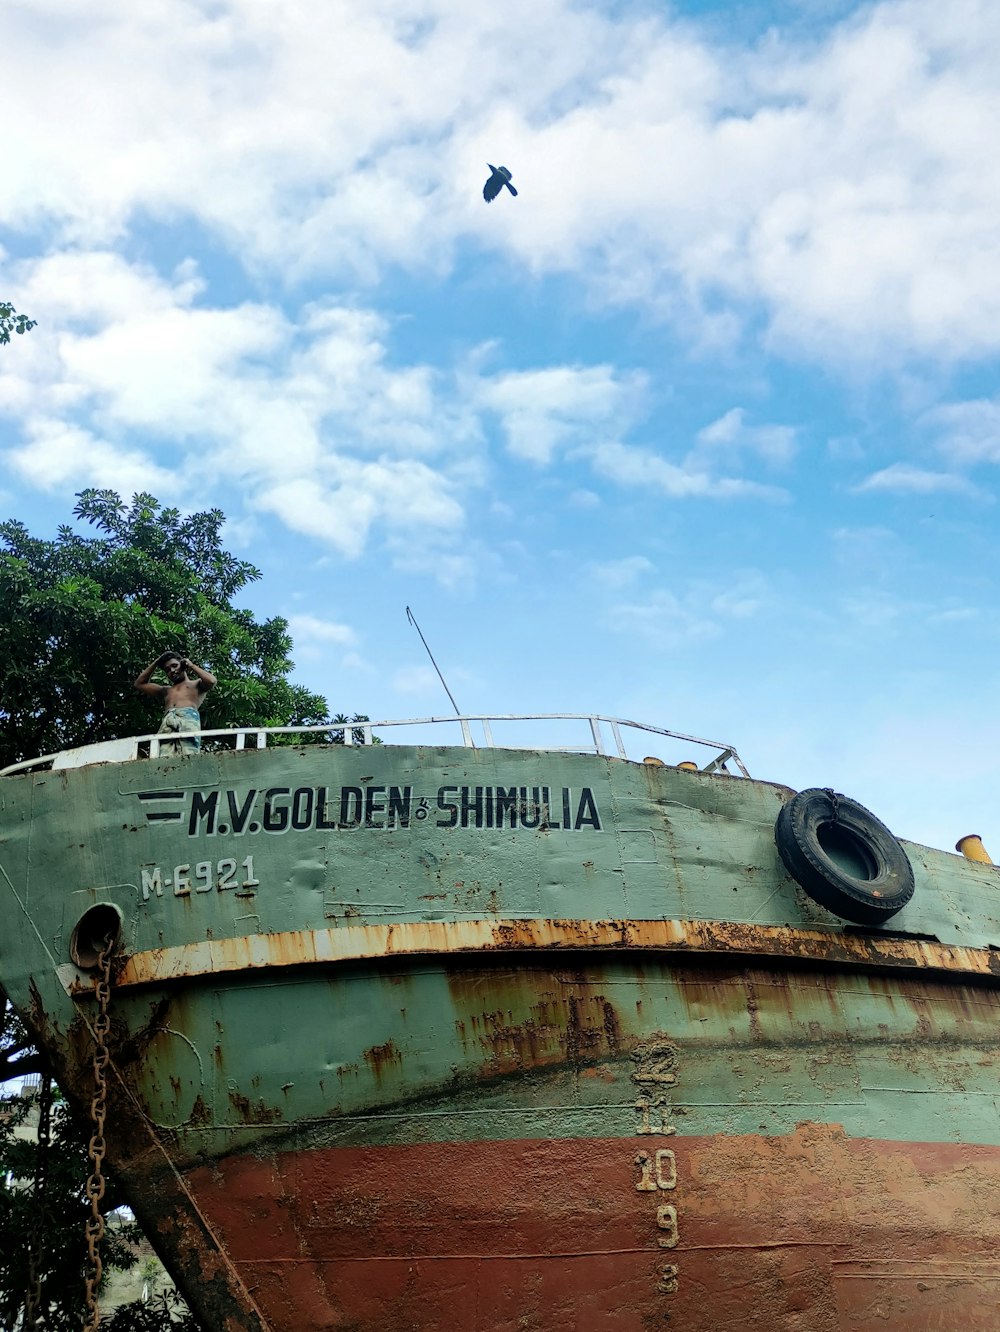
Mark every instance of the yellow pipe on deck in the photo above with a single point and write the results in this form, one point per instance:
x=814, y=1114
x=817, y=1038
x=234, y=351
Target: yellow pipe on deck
x=972, y=848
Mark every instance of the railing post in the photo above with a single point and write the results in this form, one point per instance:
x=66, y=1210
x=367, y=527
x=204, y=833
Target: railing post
x=595, y=731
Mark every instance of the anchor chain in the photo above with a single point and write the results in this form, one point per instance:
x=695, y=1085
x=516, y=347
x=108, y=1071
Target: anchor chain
x=834, y=803
x=33, y=1293
x=94, y=1229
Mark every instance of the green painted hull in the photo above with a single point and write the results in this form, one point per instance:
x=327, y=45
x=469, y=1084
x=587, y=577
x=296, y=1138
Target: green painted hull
x=483, y=1039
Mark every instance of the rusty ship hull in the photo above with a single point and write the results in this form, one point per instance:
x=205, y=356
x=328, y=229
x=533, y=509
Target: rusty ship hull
x=484, y=1039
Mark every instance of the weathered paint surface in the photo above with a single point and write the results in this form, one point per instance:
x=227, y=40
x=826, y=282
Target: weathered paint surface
x=243, y=845
x=506, y=1040
x=808, y=1231
x=213, y=957
x=170, y=1216
x=522, y=1140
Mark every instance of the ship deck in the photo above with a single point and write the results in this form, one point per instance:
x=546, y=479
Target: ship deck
x=551, y=732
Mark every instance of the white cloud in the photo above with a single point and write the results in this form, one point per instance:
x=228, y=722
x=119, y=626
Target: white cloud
x=730, y=436
x=874, y=610
x=904, y=479
x=621, y=573
x=543, y=410
x=408, y=494
x=313, y=638
x=737, y=603
x=836, y=181
x=307, y=419
x=315, y=629
x=150, y=387
x=869, y=553
x=627, y=465
x=701, y=611
x=58, y=454
x=969, y=432
x=415, y=680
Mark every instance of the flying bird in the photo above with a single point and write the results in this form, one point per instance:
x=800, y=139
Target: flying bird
x=496, y=182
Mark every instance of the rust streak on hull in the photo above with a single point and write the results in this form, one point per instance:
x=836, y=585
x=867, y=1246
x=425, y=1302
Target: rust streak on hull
x=194, y=1253
x=718, y=938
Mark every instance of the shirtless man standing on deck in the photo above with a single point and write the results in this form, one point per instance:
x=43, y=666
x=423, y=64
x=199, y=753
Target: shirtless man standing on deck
x=182, y=697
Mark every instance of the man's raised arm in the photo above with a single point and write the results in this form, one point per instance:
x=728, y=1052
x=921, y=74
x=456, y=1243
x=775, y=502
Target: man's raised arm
x=206, y=680
x=142, y=681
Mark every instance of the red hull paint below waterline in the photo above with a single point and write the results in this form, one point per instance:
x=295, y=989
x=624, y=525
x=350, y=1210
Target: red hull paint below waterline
x=813, y=1231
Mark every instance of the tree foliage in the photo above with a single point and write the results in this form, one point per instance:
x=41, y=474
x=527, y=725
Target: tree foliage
x=12, y=322
x=83, y=614
x=45, y=1219
x=165, y=1312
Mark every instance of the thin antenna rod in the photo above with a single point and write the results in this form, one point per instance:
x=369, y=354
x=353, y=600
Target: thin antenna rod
x=413, y=620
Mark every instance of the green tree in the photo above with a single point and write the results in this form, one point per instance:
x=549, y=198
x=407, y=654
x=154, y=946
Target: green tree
x=12, y=322
x=42, y=1217
x=83, y=614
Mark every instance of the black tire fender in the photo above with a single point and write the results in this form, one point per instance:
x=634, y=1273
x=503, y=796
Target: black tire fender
x=844, y=858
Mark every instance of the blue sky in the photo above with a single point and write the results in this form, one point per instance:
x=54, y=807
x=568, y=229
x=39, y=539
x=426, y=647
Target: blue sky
x=701, y=429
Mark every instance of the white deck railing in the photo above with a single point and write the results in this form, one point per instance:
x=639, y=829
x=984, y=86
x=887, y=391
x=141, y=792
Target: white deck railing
x=597, y=735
